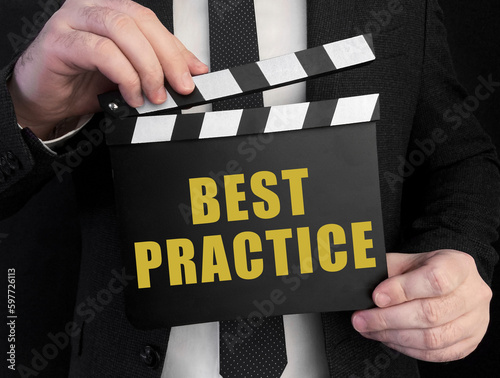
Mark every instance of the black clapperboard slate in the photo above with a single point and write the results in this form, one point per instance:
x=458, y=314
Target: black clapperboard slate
x=254, y=212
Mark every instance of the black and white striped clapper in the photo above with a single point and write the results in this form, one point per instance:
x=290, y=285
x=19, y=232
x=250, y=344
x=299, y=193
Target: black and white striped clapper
x=197, y=194
x=176, y=127
x=257, y=76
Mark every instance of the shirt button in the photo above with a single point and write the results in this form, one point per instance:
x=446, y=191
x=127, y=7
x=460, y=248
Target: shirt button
x=150, y=357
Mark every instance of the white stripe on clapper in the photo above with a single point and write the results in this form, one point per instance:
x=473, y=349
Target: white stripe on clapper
x=217, y=84
x=349, y=52
x=286, y=117
x=154, y=129
x=149, y=107
x=354, y=109
x=221, y=124
x=282, y=69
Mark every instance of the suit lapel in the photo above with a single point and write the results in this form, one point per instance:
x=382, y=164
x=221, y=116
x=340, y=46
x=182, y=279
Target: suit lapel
x=329, y=20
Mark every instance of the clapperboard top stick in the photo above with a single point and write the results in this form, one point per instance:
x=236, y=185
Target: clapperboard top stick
x=253, y=77
x=176, y=127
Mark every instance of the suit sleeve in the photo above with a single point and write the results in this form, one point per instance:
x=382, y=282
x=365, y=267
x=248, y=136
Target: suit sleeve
x=25, y=163
x=453, y=199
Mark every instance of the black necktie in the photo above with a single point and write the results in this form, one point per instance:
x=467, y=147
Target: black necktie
x=258, y=351
x=233, y=42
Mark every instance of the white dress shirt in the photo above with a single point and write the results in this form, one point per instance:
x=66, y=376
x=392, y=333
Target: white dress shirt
x=193, y=351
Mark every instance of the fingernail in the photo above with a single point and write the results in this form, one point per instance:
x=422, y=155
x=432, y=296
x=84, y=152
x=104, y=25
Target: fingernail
x=161, y=95
x=187, y=81
x=382, y=300
x=139, y=101
x=359, y=323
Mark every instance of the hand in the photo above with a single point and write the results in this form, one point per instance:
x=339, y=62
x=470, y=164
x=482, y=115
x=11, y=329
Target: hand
x=92, y=46
x=434, y=306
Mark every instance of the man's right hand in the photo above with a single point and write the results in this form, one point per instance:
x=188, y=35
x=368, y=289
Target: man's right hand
x=92, y=46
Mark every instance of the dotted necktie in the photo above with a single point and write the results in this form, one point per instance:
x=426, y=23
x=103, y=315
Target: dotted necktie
x=255, y=347
x=233, y=42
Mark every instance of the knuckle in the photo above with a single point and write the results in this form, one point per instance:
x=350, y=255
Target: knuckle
x=405, y=338
x=94, y=14
x=56, y=22
x=103, y=45
x=54, y=29
x=430, y=312
x=132, y=81
x=403, y=292
x=152, y=78
x=455, y=333
x=433, y=339
x=382, y=321
x=119, y=22
x=152, y=72
x=146, y=15
x=439, y=280
x=486, y=292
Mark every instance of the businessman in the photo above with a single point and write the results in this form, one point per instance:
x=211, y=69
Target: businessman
x=438, y=171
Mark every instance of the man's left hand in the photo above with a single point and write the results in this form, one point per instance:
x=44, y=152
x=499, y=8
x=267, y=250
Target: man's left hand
x=434, y=306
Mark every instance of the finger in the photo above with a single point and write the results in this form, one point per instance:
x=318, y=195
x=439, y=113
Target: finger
x=172, y=60
x=196, y=66
x=123, y=31
x=426, y=276
x=453, y=353
x=434, y=338
x=90, y=52
x=422, y=313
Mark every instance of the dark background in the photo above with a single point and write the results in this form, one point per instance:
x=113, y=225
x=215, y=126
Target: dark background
x=42, y=241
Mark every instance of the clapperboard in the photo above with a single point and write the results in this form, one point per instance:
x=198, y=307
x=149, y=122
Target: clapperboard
x=251, y=212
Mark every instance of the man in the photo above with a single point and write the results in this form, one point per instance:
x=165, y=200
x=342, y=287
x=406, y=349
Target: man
x=439, y=178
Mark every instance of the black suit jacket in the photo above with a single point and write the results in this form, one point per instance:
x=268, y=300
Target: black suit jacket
x=438, y=175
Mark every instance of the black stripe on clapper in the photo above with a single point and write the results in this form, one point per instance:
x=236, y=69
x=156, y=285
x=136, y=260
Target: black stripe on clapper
x=249, y=77
x=376, y=111
x=320, y=114
x=188, y=126
x=121, y=134
x=253, y=121
x=192, y=99
x=315, y=61
x=369, y=40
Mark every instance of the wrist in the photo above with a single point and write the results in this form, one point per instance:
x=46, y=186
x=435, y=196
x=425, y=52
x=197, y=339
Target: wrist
x=29, y=115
